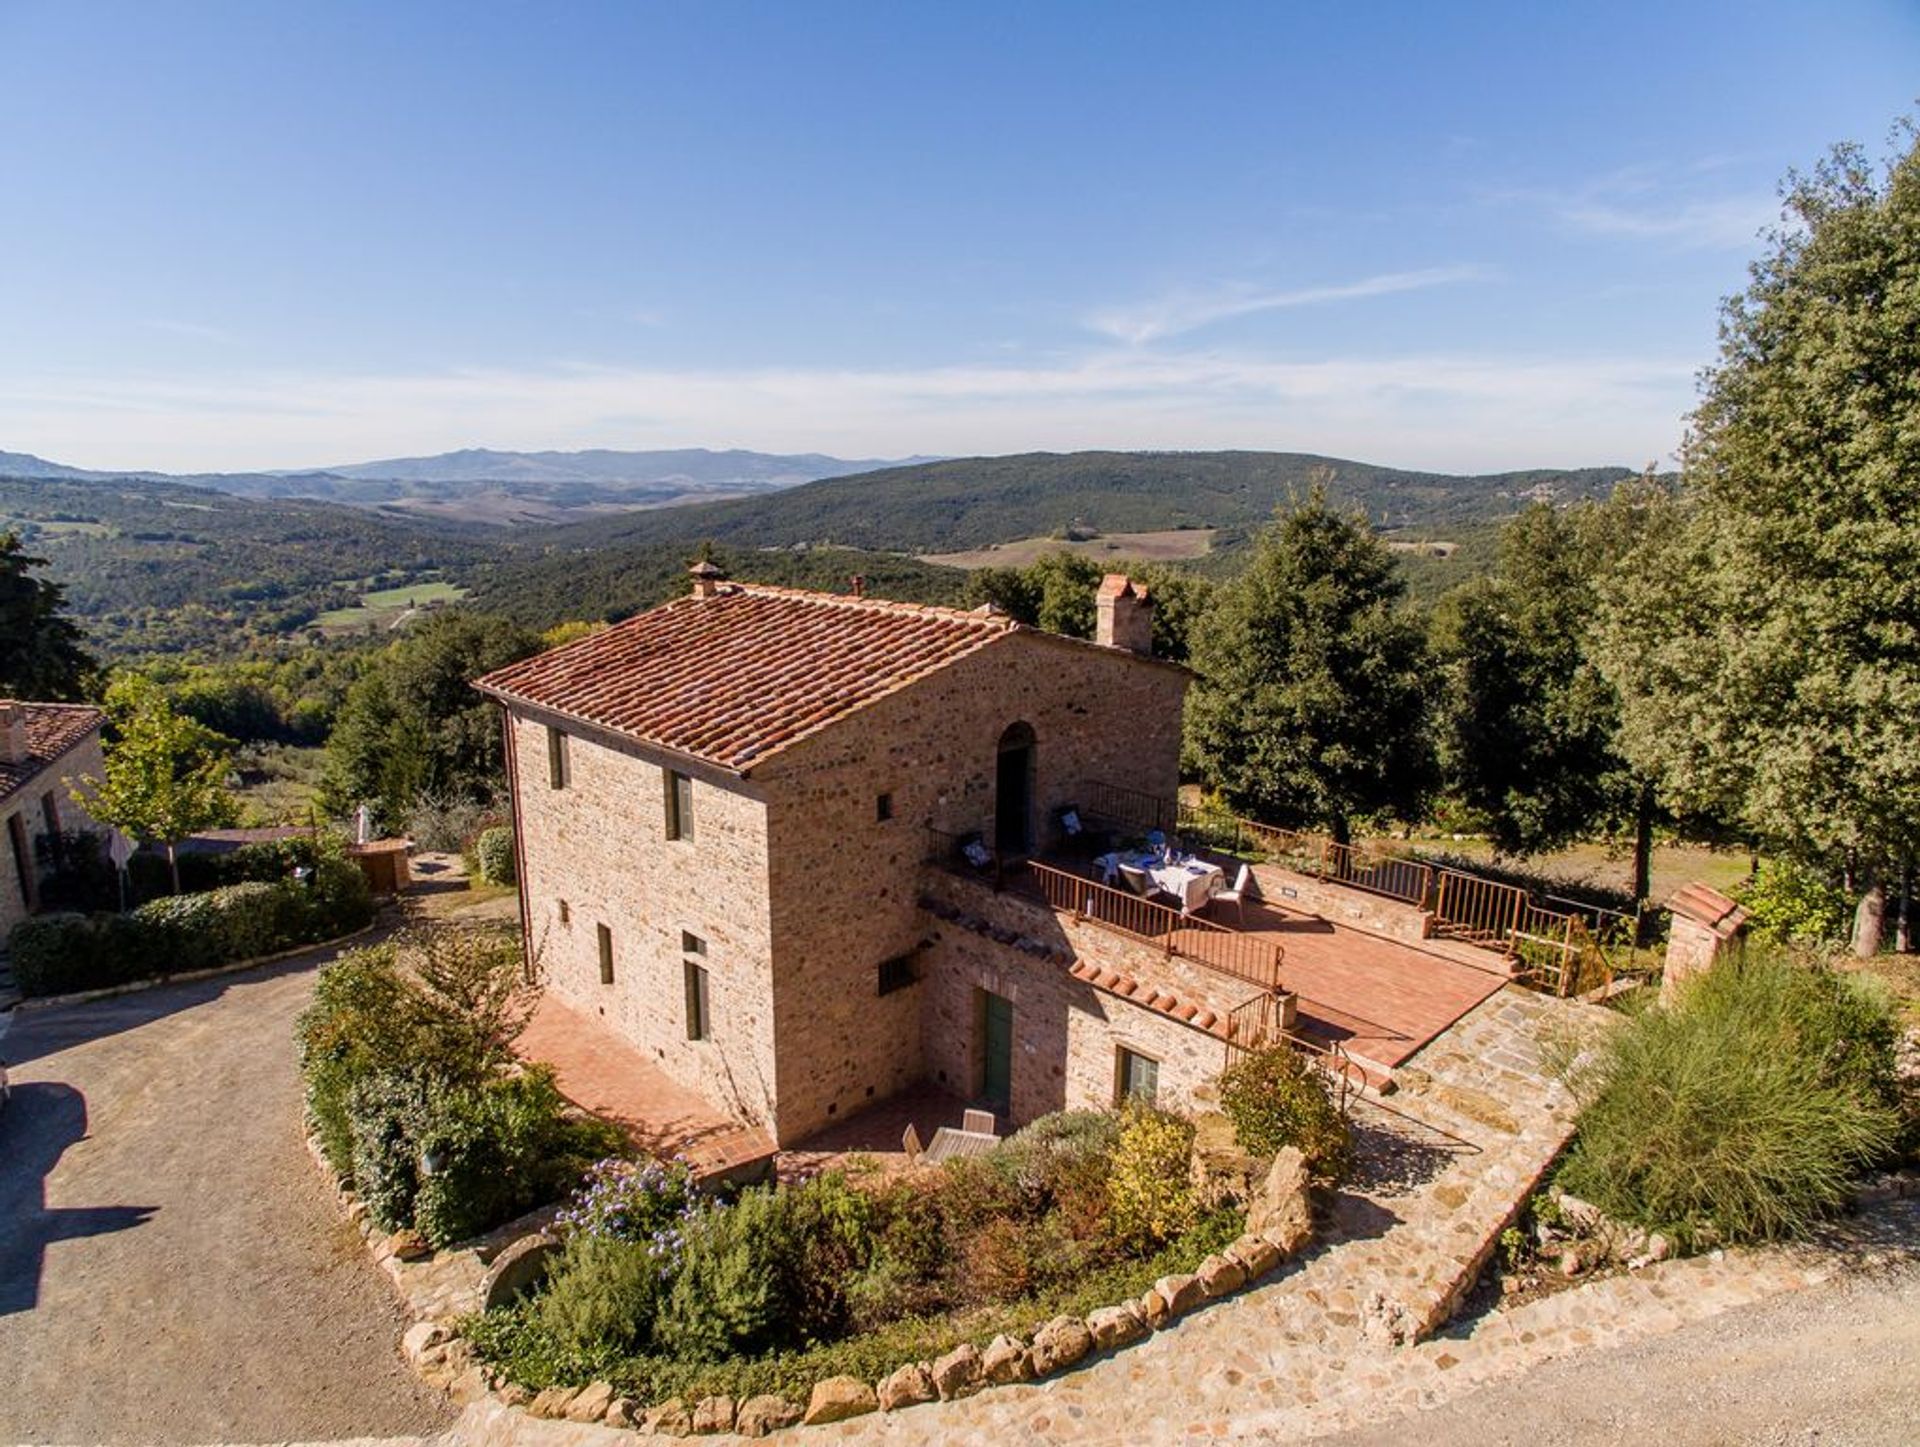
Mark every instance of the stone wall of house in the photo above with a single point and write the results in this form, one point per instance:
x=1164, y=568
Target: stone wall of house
x=30, y=806
x=596, y=852
x=1342, y=904
x=844, y=881
x=1067, y=1035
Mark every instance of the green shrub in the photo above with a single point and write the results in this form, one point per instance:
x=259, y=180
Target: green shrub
x=493, y=853
x=1793, y=904
x=768, y=1272
x=1745, y=1111
x=1151, y=1188
x=603, y=1293
x=1277, y=1098
x=55, y=954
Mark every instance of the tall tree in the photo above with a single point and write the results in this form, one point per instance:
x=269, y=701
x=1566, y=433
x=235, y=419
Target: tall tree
x=413, y=725
x=41, y=651
x=1311, y=704
x=1766, y=643
x=1527, y=721
x=165, y=773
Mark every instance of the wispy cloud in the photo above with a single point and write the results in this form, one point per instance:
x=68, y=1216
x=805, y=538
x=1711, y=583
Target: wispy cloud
x=1660, y=205
x=1185, y=311
x=1453, y=411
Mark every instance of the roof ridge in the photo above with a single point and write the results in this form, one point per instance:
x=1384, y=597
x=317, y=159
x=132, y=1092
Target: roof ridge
x=1001, y=622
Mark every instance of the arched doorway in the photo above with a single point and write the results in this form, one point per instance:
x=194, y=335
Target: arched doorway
x=1013, y=793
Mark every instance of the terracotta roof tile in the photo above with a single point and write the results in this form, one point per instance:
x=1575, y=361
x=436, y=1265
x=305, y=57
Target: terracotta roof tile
x=735, y=678
x=52, y=729
x=1708, y=906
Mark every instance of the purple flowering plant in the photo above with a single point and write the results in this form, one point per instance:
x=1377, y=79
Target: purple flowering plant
x=647, y=1201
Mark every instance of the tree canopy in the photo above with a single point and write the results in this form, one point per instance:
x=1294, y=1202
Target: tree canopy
x=42, y=653
x=1765, y=640
x=1311, y=703
x=412, y=724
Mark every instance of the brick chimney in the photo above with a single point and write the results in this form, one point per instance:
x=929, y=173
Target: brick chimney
x=1123, y=615
x=14, y=748
x=706, y=579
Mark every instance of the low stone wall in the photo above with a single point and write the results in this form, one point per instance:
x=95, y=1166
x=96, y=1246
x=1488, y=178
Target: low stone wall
x=1343, y=904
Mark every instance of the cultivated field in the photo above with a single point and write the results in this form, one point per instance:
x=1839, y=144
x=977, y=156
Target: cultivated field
x=1161, y=547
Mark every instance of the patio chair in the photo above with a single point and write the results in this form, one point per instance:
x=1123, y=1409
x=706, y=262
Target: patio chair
x=910, y=1143
x=1243, y=886
x=1137, y=880
x=980, y=1122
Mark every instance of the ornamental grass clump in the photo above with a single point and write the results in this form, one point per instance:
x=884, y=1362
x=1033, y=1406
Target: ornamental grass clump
x=1278, y=1098
x=1745, y=1111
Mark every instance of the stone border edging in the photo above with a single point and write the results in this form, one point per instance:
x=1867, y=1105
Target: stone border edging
x=134, y=987
x=436, y=1287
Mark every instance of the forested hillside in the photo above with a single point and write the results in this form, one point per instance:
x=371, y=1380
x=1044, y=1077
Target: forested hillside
x=972, y=502
x=157, y=567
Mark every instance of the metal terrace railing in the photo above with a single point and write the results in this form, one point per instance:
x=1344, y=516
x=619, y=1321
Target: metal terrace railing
x=1565, y=946
x=1249, y=957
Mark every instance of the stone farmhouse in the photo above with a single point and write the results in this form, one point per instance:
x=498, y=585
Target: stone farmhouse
x=42, y=745
x=802, y=852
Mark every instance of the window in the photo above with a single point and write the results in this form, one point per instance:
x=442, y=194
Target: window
x=1139, y=1077
x=566, y=913
x=556, y=759
x=883, y=808
x=896, y=974
x=679, y=806
x=606, y=955
x=691, y=943
x=697, y=1021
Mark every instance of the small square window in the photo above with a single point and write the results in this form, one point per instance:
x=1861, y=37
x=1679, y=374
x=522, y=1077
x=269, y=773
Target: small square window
x=556, y=759
x=566, y=912
x=679, y=796
x=1139, y=1077
x=896, y=974
x=698, y=1024
x=691, y=943
x=883, y=808
x=606, y=955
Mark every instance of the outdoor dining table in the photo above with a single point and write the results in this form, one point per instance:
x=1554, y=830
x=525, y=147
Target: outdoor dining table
x=1191, y=881
x=949, y=1143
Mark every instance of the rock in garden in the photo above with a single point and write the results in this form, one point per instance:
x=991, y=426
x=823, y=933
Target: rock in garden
x=761, y=1415
x=713, y=1414
x=1115, y=1326
x=422, y=1337
x=669, y=1419
x=907, y=1387
x=1283, y=1211
x=838, y=1398
x=1006, y=1360
x=1572, y=1262
x=1221, y=1275
x=409, y=1246
x=958, y=1372
x=1221, y=1170
x=1659, y=1247
x=1181, y=1293
x=1256, y=1255
x=512, y=1394
x=622, y=1412
x=1059, y=1344
x=553, y=1402
x=592, y=1403
x=470, y=1386
x=517, y=1270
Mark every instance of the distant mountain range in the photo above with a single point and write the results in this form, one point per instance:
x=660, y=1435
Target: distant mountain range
x=483, y=485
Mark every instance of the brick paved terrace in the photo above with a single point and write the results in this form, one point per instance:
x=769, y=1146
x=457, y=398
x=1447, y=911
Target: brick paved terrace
x=604, y=1074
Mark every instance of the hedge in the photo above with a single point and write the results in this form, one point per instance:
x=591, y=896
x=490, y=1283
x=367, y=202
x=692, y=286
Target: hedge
x=56, y=954
x=493, y=852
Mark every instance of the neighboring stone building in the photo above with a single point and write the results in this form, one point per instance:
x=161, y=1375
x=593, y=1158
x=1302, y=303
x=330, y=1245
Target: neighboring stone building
x=42, y=745
x=726, y=809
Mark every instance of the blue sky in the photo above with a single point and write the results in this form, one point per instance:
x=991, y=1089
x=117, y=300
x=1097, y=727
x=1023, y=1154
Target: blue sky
x=1463, y=236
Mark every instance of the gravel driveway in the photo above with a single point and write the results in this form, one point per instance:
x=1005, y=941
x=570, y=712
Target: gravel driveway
x=172, y=1268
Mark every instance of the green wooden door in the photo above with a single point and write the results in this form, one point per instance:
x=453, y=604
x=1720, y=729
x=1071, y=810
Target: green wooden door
x=997, y=1077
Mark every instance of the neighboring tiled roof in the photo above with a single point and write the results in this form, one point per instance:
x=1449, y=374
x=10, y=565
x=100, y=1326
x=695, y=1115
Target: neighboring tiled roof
x=735, y=678
x=1708, y=906
x=52, y=729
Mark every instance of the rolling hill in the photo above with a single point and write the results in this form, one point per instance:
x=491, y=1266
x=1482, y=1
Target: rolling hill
x=964, y=503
